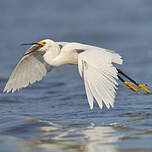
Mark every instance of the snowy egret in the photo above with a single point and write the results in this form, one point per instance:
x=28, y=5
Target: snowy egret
x=95, y=64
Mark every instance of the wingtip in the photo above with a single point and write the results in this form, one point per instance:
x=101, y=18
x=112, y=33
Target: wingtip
x=108, y=106
x=91, y=107
x=6, y=90
x=100, y=105
x=117, y=59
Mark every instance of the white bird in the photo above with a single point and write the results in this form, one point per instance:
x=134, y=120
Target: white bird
x=95, y=67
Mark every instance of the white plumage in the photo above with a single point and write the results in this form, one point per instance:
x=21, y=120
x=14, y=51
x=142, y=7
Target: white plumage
x=95, y=67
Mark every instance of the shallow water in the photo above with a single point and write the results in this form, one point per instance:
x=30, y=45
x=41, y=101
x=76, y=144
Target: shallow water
x=54, y=115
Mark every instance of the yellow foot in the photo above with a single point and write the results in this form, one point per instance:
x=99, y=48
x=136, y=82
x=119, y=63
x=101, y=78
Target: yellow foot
x=142, y=86
x=130, y=86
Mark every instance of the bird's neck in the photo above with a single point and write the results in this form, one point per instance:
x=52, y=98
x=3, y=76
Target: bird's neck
x=51, y=54
x=65, y=57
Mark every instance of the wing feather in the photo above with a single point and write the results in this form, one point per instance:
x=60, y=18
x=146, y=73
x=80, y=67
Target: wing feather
x=99, y=74
x=30, y=69
x=88, y=92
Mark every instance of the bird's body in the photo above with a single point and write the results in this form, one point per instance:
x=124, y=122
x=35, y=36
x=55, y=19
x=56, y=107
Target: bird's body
x=95, y=67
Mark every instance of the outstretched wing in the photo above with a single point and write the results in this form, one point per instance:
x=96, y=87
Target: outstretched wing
x=99, y=74
x=30, y=69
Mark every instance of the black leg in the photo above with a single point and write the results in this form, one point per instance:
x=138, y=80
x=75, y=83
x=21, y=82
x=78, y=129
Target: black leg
x=133, y=81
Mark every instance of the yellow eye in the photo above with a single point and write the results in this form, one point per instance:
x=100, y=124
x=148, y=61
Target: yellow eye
x=41, y=43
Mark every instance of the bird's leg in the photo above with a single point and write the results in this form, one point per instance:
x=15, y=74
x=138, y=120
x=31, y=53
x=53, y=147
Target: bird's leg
x=128, y=84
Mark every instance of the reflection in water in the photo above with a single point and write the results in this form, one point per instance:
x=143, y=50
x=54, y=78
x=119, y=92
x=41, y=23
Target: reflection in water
x=45, y=136
x=102, y=139
x=91, y=139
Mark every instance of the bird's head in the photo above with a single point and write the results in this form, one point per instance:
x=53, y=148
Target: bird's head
x=43, y=45
x=46, y=44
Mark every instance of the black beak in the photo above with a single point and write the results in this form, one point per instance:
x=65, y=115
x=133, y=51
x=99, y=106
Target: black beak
x=29, y=44
x=32, y=49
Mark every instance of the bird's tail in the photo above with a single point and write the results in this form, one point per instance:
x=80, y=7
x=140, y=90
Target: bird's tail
x=116, y=58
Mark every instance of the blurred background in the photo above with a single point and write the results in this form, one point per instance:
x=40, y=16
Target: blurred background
x=54, y=115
